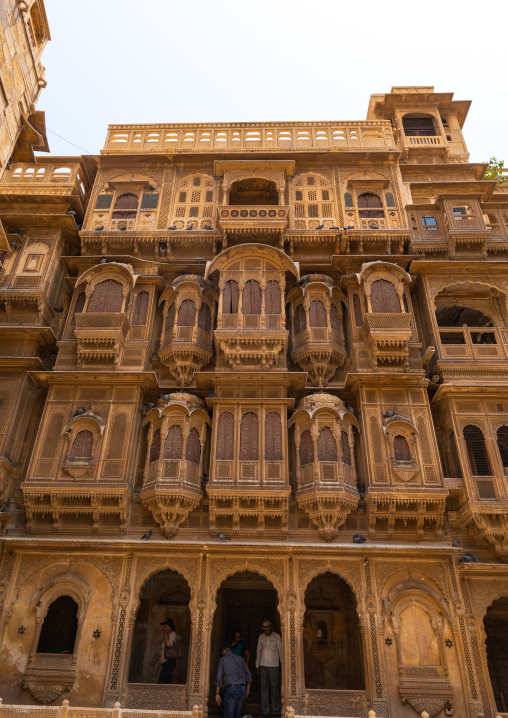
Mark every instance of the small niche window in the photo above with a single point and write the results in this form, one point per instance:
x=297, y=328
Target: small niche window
x=370, y=206
x=104, y=201
x=462, y=212
x=58, y=632
x=418, y=126
x=150, y=201
x=348, y=200
x=389, y=199
x=126, y=206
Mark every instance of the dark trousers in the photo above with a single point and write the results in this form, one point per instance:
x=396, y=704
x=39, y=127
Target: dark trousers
x=270, y=689
x=233, y=701
x=167, y=668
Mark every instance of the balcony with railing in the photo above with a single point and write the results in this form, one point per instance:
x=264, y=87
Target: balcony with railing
x=100, y=336
x=60, y=176
x=250, y=137
x=475, y=344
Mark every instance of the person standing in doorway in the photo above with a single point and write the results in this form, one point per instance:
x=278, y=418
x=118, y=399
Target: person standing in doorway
x=234, y=673
x=268, y=660
x=166, y=662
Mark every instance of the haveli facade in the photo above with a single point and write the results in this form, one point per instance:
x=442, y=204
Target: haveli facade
x=280, y=348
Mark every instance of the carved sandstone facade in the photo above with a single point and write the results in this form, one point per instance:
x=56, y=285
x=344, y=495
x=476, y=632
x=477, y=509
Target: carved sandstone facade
x=251, y=371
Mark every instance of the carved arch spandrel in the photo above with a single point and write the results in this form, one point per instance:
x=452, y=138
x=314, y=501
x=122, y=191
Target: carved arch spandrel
x=348, y=571
x=146, y=567
x=483, y=592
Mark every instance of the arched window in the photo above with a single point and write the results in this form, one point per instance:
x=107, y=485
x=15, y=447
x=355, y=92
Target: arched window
x=326, y=446
x=249, y=437
x=187, y=313
x=155, y=448
x=300, y=319
x=106, y=297
x=78, y=307
x=312, y=198
x=230, y=297
x=345, y=449
x=253, y=191
x=225, y=436
x=273, y=437
x=126, y=206
x=140, y=309
x=418, y=126
x=370, y=206
x=173, y=443
x=476, y=451
x=82, y=445
x=306, y=448
x=335, y=319
x=170, y=319
x=251, y=297
x=348, y=200
x=502, y=445
x=193, y=448
x=384, y=298
x=401, y=450
x=195, y=198
x=205, y=317
x=272, y=297
x=58, y=632
x=389, y=199
x=317, y=314
x=357, y=307
x=429, y=223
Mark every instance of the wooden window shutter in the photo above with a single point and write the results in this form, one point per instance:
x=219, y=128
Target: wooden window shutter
x=82, y=445
x=251, y=298
x=300, y=319
x=345, y=449
x=384, y=298
x=317, y=314
x=249, y=437
x=477, y=451
x=273, y=437
x=187, y=313
x=230, y=297
x=155, y=448
x=369, y=201
x=357, y=307
x=205, y=318
x=326, y=446
x=106, y=297
x=225, y=436
x=173, y=443
x=127, y=201
x=78, y=308
x=502, y=444
x=170, y=319
x=401, y=450
x=335, y=319
x=140, y=309
x=272, y=297
x=193, y=449
x=306, y=448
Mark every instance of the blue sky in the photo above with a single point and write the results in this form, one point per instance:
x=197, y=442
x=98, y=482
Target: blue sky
x=114, y=61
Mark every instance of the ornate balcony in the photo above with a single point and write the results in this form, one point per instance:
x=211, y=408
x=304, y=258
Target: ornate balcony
x=389, y=336
x=100, y=336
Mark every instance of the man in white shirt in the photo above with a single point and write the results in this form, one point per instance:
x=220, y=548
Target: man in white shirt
x=268, y=660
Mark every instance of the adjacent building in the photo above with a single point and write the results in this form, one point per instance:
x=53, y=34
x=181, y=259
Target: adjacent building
x=255, y=371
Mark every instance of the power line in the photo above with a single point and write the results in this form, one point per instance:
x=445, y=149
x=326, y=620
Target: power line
x=68, y=141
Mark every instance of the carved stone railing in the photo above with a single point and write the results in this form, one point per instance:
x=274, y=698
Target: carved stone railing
x=66, y=711
x=248, y=137
x=62, y=177
x=472, y=343
x=269, y=218
x=436, y=141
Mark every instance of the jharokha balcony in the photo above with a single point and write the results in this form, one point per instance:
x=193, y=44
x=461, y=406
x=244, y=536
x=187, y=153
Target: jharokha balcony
x=250, y=219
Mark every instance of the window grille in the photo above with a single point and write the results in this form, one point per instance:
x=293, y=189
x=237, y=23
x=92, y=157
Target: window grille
x=384, y=297
x=502, y=444
x=345, y=449
x=173, y=443
x=155, y=448
x=357, y=306
x=312, y=198
x=326, y=446
x=82, y=445
x=272, y=298
x=273, y=437
x=401, y=450
x=187, y=313
x=230, y=297
x=225, y=436
x=170, y=319
x=106, y=297
x=193, y=448
x=317, y=314
x=300, y=319
x=249, y=437
x=335, y=319
x=140, y=309
x=306, y=448
x=205, y=318
x=78, y=307
x=251, y=297
x=477, y=451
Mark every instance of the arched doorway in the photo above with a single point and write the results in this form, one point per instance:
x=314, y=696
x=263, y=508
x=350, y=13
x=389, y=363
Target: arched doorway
x=332, y=643
x=253, y=191
x=244, y=600
x=496, y=628
x=165, y=595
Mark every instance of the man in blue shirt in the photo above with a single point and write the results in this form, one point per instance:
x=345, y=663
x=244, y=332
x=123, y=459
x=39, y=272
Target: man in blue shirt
x=234, y=673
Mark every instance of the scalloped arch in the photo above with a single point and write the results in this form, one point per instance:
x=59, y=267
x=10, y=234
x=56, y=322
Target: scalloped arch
x=252, y=250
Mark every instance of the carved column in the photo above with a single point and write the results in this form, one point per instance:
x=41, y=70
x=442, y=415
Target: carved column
x=294, y=654
x=200, y=645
